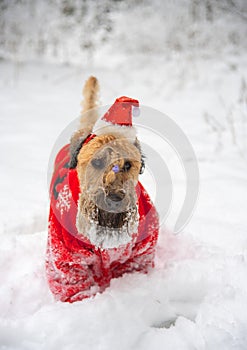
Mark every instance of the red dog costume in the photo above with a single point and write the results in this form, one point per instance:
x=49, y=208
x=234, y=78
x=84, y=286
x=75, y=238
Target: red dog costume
x=77, y=269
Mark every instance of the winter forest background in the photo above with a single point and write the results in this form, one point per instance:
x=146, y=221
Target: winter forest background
x=185, y=58
x=42, y=30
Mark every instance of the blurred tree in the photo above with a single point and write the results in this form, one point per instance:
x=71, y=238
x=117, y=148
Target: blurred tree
x=76, y=30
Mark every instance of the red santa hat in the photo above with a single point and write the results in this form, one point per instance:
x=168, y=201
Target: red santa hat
x=118, y=118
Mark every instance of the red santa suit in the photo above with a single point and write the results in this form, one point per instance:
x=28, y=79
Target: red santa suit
x=76, y=268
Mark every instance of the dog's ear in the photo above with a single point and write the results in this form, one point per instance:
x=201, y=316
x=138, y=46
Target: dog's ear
x=142, y=165
x=76, y=143
x=138, y=146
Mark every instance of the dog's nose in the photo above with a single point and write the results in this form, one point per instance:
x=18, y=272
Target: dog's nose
x=116, y=197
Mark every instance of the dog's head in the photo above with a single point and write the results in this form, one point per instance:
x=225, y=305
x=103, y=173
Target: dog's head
x=108, y=168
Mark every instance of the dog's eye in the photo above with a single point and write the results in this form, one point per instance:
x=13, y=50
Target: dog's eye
x=98, y=163
x=127, y=166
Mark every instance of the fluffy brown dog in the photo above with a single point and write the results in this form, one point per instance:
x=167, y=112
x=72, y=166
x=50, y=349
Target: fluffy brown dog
x=102, y=222
x=107, y=206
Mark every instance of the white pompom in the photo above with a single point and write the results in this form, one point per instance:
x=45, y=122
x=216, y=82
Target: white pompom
x=136, y=111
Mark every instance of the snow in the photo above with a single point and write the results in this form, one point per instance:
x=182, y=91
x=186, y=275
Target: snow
x=196, y=296
x=111, y=238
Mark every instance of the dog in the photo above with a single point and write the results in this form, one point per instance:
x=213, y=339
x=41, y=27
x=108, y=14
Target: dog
x=102, y=222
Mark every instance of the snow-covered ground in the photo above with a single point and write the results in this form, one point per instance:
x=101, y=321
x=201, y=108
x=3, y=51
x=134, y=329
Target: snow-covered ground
x=196, y=297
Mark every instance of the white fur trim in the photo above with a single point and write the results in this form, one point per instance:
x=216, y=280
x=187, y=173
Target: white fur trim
x=102, y=127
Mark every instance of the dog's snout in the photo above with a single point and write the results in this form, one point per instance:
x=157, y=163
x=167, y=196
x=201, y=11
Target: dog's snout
x=116, y=197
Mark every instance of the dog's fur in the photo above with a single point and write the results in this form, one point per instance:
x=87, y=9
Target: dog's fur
x=107, y=205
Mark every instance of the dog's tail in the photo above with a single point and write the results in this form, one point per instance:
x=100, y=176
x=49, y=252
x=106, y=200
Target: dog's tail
x=90, y=101
x=88, y=117
x=90, y=94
